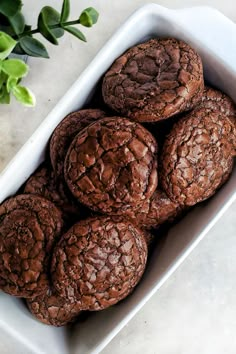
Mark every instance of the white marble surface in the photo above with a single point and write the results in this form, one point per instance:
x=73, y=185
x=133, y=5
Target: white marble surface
x=195, y=311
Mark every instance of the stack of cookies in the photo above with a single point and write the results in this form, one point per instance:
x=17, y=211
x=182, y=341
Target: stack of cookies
x=77, y=237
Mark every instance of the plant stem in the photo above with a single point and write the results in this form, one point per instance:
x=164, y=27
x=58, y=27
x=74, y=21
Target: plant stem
x=57, y=25
x=76, y=22
x=23, y=34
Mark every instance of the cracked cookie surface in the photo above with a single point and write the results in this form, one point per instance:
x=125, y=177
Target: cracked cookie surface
x=52, y=309
x=98, y=262
x=154, y=80
x=66, y=131
x=44, y=183
x=155, y=211
x=29, y=226
x=218, y=101
x=112, y=165
x=196, y=158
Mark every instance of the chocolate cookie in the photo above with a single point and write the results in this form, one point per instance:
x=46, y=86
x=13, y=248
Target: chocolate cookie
x=98, y=262
x=66, y=131
x=154, y=80
x=220, y=102
x=44, y=183
x=29, y=226
x=149, y=238
x=52, y=309
x=155, y=211
x=196, y=157
x=112, y=165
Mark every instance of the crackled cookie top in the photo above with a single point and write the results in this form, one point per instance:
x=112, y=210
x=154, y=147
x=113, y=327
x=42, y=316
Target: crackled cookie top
x=98, y=262
x=52, y=309
x=197, y=157
x=154, y=80
x=29, y=226
x=155, y=211
x=218, y=101
x=44, y=183
x=112, y=165
x=66, y=131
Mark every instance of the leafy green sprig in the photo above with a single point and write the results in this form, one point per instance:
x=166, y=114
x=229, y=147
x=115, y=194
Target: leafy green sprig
x=11, y=73
x=16, y=36
x=51, y=25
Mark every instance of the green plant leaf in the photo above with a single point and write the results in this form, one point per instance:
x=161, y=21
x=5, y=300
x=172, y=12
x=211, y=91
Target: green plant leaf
x=6, y=45
x=65, y=12
x=4, y=20
x=77, y=33
x=3, y=78
x=11, y=82
x=33, y=47
x=4, y=95
x=28, y=28
x=17, y=22
x=7, y=29
x=5, y=25
x=24, y=95
x=49, y=17
x=18, y=49
x=15, y=68
x=45, y=30
x=10, y=7
x=88, y=17
x=53, y=18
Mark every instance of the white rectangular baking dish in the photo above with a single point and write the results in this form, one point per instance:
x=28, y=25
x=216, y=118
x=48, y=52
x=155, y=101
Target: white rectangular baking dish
x=214, y=36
